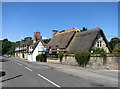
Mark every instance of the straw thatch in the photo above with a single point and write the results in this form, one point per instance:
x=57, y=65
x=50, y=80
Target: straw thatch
x=74, y=41
x=61, y=40
x=83, y=41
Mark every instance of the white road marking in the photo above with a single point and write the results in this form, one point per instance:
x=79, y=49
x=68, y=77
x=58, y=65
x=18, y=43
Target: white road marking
x=28, y=68
x=19, y=64
x=49, y=80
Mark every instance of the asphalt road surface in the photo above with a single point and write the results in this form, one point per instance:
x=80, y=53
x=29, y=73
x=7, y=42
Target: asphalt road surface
x=19, y=73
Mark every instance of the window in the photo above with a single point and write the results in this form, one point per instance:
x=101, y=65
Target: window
x=99, y=44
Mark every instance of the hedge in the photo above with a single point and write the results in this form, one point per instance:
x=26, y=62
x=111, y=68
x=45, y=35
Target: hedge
x=40, y=58
x=82, y=58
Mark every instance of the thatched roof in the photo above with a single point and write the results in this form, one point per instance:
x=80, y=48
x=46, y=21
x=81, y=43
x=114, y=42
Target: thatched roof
x=26, y=43
x=83, y=41
x=62, y=40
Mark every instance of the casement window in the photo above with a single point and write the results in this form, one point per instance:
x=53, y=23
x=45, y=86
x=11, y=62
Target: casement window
x=99, y=44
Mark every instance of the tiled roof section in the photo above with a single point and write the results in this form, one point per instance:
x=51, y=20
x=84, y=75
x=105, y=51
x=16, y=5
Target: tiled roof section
x=117, y=45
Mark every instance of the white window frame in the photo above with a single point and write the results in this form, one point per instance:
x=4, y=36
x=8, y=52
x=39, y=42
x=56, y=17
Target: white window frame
x=99, y=44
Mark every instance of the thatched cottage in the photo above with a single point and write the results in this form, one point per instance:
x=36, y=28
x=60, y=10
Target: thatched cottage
x=75, y=41
x=30, y=48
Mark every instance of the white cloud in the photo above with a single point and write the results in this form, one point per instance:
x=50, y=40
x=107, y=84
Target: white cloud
x=44, y=38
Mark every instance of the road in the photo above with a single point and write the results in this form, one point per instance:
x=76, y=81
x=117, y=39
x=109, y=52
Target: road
x=20, y=73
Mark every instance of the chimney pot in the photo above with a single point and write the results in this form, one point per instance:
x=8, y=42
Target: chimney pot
x=54, y=32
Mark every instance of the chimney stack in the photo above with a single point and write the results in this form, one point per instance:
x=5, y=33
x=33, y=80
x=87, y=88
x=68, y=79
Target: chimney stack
x=37, y=37
x=27, y=38
x=54, y=32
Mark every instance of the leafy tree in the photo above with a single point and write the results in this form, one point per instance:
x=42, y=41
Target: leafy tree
x=84, y=29
x=8, y=47
x=46, y=41
x=113, y=42
x=0, y=47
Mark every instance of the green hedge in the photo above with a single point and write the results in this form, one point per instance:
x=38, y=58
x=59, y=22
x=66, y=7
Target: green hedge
x=97, y=50
x=82, y=58
x=61, y=55
x=40, y=58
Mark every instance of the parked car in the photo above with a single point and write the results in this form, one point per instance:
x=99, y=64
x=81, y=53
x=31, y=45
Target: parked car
x=6, y=55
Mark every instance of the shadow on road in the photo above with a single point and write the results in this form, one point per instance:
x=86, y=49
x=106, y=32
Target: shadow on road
x=3, y=60
x=11, y=78
x=2, y=73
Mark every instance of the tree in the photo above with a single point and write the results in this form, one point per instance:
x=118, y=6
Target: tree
x=5, y=46
x=8, y=47
x=113, y=42
x=84, y=29
x=115, y=39
x=46, y=41
x=0, y=47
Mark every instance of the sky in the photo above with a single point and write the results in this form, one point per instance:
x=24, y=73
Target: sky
x=22, y=19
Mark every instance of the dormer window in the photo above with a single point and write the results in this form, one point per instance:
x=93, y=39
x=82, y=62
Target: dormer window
x=99, y=44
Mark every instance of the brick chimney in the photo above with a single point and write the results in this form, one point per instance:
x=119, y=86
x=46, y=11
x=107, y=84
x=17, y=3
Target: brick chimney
x=54, y=32
x=37, y=37
x=27, y=38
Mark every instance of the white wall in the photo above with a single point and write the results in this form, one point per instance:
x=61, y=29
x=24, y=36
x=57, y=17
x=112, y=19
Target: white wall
x=38, y=48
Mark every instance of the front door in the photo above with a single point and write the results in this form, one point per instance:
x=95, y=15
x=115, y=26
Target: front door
x=22, y=55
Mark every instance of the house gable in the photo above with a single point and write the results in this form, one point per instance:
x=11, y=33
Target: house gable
x=100, y=43
x=84, y=41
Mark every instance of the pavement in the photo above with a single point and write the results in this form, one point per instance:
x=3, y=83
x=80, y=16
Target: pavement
x=22, y=73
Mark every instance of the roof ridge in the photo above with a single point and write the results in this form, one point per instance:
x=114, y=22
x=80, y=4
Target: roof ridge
x=67, y=31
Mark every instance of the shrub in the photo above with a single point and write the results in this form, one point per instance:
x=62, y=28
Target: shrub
x=40, y=58
x=97, y=50
x=66, y=53
x=82, y=58
x=61, y=55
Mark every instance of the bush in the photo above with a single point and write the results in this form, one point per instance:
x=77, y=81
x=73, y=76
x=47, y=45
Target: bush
x=97, y=50
x=40, y=58
x=82, y=58
x=66, y=53
x=61, y=56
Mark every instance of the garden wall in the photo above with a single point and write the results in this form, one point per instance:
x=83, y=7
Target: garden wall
x=96, y=61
